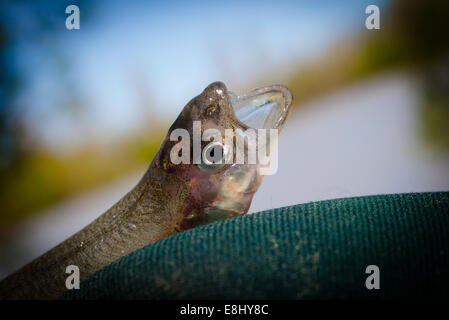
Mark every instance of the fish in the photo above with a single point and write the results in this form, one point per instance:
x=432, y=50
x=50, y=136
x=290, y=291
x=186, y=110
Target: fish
x=172, y=196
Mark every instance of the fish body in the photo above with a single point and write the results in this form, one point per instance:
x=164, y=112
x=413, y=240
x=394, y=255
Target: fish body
x=169, y=198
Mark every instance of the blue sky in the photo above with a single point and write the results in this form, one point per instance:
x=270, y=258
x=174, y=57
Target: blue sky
x=132, y=55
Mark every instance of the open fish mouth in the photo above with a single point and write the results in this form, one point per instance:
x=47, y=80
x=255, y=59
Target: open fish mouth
x=262, y=108
x=234, y=187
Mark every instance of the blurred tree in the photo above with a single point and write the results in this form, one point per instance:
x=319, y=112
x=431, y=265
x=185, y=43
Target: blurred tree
x=33, y=176
x=414, y=33
x=412, y=36
x=422, y=27
x=22, y=23
x=9, y=81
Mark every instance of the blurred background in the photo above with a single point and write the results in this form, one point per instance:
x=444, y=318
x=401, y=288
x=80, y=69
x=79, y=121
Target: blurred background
x=82, y=112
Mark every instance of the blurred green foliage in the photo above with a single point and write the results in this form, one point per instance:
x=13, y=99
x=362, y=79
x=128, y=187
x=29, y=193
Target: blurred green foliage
x=435, y=117
x=41, y=178
x=435, y=106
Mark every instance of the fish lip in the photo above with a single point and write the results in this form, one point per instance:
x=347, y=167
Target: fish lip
x=288, y=96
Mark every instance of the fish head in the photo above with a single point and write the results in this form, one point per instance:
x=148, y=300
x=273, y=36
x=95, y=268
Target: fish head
x=219, y=180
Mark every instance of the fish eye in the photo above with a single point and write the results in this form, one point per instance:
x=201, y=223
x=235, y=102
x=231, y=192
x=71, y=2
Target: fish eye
x=213, y=156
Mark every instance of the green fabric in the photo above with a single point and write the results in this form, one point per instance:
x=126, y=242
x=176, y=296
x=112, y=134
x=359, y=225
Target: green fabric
x=313, y=250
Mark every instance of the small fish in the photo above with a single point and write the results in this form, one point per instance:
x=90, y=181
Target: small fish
x=170, y=197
